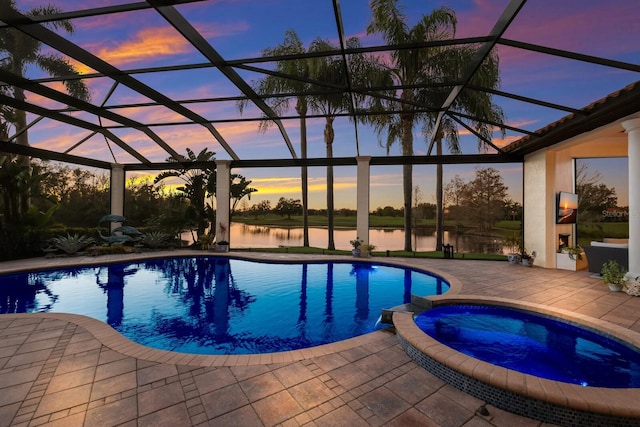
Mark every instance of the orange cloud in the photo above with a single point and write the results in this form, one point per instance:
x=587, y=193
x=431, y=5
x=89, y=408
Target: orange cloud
x=288, y=185
x=148, y=43
x=385, y=180
x=506, y=141
x=151, y=114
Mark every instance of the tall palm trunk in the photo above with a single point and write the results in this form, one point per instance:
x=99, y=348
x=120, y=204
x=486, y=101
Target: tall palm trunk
x=439, y=201
x=20, y=116
x=301, y=108
x=328, y=139
x=21, y=124
x=407, y=179
x=24, y=199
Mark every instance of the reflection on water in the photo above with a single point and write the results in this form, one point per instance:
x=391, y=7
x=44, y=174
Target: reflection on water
x=215, y=305
x=254, y=236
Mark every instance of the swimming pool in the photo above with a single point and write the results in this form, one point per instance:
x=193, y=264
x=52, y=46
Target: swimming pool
x=221, y=305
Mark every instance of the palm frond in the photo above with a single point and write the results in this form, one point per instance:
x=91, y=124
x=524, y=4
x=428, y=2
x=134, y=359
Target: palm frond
x=60, y=67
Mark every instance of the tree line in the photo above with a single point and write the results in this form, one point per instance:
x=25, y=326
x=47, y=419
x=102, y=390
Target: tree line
x=478, y=203
x=63, y=198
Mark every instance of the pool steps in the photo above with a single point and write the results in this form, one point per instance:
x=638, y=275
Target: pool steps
x=416, y=306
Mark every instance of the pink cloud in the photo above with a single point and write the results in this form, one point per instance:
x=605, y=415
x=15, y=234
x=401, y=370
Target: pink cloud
x=209, y=31
x=41, y=101
x=63, y=138
x=480, y=20
x=593, y=27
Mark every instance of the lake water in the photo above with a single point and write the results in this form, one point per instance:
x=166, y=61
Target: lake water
x=254, y=236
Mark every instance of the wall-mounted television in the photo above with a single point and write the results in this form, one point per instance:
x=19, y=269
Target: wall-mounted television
x=567, y=208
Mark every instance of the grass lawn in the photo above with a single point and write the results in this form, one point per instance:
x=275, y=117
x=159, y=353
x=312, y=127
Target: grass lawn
x=376, y=254
x=598, y=230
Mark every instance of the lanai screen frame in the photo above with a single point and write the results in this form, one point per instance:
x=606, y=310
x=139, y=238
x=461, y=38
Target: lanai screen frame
x=601, y=112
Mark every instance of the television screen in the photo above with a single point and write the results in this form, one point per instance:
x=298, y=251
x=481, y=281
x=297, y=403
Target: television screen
x=567, y=208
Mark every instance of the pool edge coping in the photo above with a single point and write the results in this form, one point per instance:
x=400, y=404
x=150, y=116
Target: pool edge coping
x=115, y=341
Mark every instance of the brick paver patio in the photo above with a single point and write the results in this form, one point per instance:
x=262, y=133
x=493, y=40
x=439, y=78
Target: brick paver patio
x=67, y=370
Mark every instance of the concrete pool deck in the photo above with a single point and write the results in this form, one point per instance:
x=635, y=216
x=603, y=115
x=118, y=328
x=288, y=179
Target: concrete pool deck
x=58, y=369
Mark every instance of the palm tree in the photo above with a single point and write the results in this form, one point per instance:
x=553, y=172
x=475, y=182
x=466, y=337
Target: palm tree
x=316, y=79
x=20, y=229
x=197, y=181
x=238, y=190
x=363, y=71
x=18, y=50
x=7, y=116
x=273, y=85
x=329, y=102
x=423, y=68
x=411, y=69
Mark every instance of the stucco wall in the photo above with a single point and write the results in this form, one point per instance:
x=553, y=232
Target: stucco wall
x=539, y=175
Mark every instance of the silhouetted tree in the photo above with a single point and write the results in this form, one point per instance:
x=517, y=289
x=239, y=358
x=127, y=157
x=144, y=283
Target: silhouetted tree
x=483, y=199
x=260, y=208
x=196, y=181
x=288, y=207
x=593, y=195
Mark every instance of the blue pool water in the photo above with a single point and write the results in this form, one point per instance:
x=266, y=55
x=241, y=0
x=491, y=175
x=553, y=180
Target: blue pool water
x=533, y=344
x=217, y=305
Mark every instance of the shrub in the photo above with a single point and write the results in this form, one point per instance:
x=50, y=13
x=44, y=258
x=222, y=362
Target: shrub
x=612, y=272
x=71, y=244
x=155, y=239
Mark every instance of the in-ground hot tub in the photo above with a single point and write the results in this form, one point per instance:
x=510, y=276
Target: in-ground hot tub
x=551, y=400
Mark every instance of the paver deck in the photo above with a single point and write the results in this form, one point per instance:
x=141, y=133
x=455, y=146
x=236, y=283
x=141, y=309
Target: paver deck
x=68, y=370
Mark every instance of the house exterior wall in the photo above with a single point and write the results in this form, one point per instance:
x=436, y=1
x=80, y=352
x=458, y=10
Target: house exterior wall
x=551, y=170
x=632, y=128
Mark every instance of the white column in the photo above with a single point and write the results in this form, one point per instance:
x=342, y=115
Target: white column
x=539, y=207
x=223, y=199
x=363, y=187
x=633, y=131
x=116, y=190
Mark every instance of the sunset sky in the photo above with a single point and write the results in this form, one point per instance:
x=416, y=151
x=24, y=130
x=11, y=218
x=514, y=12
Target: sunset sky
x=242, y=28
